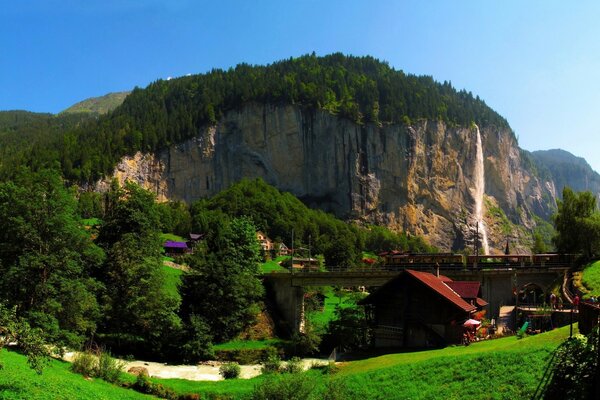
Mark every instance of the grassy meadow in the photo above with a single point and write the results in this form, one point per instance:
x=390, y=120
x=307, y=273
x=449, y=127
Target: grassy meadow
x=506, y=368
x=591, y=279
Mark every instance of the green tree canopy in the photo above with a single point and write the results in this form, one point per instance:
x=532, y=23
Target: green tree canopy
x=577, y=224
x=46, y=257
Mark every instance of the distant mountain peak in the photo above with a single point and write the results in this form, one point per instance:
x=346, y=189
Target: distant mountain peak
x=98, y=105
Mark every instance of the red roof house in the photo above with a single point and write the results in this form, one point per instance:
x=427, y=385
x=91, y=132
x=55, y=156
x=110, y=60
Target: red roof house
x=417, y=309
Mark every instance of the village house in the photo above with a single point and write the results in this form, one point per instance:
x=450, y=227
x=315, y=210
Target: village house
x=419, y=309
x=266, y=244
x=173, y=248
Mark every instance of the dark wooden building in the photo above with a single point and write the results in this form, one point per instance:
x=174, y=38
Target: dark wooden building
x=417, y=309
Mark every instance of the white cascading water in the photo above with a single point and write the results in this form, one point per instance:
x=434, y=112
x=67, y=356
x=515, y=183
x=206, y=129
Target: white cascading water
x=479, y=190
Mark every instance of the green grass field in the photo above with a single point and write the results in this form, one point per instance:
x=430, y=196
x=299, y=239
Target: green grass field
x=172, y=280
x=505, y=368
x=591, y=279
x=171, y=236
x=273, y=265
x=320, y=319
x=18, y=381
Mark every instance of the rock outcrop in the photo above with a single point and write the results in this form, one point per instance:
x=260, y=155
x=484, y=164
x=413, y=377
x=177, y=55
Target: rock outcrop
x=415, y=178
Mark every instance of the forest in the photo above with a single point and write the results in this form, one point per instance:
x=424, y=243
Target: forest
x=104, y=282
x=362, y=89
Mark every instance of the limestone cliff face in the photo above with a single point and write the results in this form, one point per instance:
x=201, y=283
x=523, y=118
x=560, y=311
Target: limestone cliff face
x=415, y=178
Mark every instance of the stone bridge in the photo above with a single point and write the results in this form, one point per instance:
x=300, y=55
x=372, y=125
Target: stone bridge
x=498, y=283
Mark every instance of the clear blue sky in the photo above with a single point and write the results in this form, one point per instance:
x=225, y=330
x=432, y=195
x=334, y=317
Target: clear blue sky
x=535, y=62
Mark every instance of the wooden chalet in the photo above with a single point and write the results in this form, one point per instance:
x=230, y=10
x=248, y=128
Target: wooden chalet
x=418, y=309
x=175, y=248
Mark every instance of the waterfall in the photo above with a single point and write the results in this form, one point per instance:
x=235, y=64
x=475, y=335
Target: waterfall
x=478, y=191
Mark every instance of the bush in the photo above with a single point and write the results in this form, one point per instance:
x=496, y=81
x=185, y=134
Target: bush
x=230, y=370
x=293, y=366
x=97, y=364
x=574, y=369
x=109, y=368
x=85, y=364
x=144, y=385
x=284, y=387
x=272, y=364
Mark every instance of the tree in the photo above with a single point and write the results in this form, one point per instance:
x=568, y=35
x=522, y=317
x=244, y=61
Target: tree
x=46, y=257
x=222, y=287
x=136, y=301
x=15, y=330
x=577, y=224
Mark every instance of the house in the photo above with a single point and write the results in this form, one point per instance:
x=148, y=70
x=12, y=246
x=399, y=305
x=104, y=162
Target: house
x=266, y=244
x=418, y=309
x=283, y=250
x=194, y=239
x=470, y=291
x=305, y=263
x=174, y=248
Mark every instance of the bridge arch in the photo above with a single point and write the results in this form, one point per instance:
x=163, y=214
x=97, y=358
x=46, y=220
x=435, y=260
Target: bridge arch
x=532, y=293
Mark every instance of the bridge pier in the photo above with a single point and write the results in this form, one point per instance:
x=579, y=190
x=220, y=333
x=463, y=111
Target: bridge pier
x=289, y=301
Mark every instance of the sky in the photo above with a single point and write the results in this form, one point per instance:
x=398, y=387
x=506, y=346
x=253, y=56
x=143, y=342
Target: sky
x=537, y=63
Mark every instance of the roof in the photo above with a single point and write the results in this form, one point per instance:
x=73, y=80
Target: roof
x=465, y=289
x=196, y=236
x=444, y=278
x=481, y=302
x=441, y=288
x=175, y=245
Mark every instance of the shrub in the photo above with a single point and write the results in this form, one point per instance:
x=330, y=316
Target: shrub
x=97, y=364
x=85, y=364
x=272, y=364
x=284, y=387
x=574, y=368
x=109, y=368
x=230, y=370
x=293, y=366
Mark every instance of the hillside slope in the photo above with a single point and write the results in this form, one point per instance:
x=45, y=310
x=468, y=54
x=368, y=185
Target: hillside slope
x=98, y=105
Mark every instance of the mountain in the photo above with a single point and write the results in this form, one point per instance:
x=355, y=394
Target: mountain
x=98, y=105
x=565, y=169
x=350, y=135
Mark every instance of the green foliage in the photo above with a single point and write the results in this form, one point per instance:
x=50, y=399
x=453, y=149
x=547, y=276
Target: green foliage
x=89, y=205
x=143, y=384
x=230, y=370
x=284, y=387
x=222, y=288
x=15, y=329
x=278, y=214
x=85, y=363
x=574, y=369
x=293, y=366
x=46, y=257
x=577, y=224
x=98, y=364
x=307, y=342
x=349, y=329
x=175, y=217
x=139, y=308
x=272, y=364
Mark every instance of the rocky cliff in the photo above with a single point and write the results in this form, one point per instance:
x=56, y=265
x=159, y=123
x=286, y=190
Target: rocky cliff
x=417, y=178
